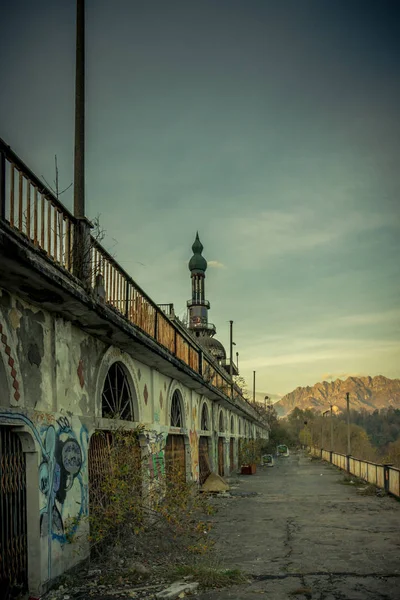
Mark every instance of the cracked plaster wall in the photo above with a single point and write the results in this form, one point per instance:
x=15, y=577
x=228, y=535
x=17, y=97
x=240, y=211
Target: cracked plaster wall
x=51, y=376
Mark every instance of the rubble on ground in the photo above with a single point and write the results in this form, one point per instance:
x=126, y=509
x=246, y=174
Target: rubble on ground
x=214, y=484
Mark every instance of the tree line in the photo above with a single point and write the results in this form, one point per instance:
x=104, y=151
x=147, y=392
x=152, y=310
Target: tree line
x=374, y=436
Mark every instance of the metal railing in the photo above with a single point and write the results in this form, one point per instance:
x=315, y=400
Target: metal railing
x=383, y=476
x=168, y=309
x=31, y=209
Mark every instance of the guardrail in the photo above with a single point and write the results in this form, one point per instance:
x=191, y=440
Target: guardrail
x=30, y=208
x=383, y=476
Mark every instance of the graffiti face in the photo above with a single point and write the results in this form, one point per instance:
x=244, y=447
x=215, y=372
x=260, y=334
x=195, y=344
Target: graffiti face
x=60, y=467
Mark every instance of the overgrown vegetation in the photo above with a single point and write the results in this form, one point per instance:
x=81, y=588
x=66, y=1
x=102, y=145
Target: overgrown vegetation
x=250, y=451
x=154, y=510
x=143, y=514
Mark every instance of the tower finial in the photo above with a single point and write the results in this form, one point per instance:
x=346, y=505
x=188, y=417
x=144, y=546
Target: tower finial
x=197, y=245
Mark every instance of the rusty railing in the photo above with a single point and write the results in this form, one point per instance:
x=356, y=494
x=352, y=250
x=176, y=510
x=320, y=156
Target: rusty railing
x=383, y=476
x=31, y=209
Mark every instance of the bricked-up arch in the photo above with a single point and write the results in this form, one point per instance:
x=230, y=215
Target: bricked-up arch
x=205, y=421
x=117, y=398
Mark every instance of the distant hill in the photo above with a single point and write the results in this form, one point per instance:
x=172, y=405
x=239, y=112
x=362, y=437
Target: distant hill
x=367, y=393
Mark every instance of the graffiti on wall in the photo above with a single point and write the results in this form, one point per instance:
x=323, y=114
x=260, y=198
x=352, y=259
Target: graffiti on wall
x=60, y=466
x=155, y=444
x=61, y=461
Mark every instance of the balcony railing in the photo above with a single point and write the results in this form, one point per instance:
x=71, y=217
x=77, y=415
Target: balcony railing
x=192, y=302
x=208, y=326
x=31, y=209
x=168, y=309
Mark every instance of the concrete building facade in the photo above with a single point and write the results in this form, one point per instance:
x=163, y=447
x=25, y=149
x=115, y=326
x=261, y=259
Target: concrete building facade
x=75, y=360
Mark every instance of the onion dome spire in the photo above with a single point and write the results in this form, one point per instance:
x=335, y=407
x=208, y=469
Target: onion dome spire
x=197, y=262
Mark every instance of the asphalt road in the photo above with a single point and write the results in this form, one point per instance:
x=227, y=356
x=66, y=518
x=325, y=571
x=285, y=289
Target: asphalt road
x=306, y=535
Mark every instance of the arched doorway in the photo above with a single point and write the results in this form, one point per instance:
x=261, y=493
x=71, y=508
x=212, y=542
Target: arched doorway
x=175, y=452
x=118, y=401
x=221, y=428
x=13, y=525
x=204, y=446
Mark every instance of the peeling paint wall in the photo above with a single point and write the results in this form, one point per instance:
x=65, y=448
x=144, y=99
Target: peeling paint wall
x=52, y=376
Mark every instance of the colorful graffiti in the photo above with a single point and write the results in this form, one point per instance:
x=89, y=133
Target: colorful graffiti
x=155, y=444
x=61, y=464
x=62, y=459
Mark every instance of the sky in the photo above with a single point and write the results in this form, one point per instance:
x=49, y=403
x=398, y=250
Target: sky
x=270, y=126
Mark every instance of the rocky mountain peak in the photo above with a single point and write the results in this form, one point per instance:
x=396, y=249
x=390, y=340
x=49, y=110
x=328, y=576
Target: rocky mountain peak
x=367, y=393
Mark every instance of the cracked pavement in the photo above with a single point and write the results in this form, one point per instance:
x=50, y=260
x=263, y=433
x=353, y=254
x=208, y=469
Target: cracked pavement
x=307, y=536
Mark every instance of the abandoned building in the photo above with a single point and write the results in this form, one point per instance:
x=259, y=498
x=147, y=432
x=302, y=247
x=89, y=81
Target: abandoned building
x=83, y=349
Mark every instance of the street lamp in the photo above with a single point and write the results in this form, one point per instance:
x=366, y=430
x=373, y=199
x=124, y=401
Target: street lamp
x=348, y=424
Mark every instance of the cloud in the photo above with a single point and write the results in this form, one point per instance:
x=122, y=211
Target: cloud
x=274, y=233
x=329, y=350
x=372, y=318
x=215, y=264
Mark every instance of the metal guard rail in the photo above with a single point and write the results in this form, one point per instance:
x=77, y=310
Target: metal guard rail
x=383, y=476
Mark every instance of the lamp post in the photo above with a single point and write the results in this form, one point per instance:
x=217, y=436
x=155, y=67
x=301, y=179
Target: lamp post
x=254, y=387
x=237, y=361
x=231, y=354
x=348, y=431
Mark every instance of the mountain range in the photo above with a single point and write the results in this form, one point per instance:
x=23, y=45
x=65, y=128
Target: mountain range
x=368, y=393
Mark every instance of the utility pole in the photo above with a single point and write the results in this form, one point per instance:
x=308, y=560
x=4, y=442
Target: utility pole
x=81, y=242
x=348, y=424
x=231, y=355
x=331, y=428
x=79, y=159
x=254, y=387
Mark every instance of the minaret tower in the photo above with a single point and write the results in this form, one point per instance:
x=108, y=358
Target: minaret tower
x=198, y=306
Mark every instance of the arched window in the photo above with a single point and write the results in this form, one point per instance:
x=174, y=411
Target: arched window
x=204, y=418
x=221, y=421
x=116, y=399
x=232, y=425
x=176, y=410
